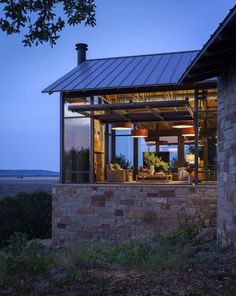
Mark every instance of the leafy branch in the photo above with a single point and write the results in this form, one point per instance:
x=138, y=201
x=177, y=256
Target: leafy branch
x=41, y=18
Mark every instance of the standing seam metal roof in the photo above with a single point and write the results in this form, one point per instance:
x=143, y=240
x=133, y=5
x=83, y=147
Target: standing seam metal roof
x=125, y=72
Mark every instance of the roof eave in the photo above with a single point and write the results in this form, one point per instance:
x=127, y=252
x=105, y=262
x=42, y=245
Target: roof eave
x=203, y=51
x=137, y=89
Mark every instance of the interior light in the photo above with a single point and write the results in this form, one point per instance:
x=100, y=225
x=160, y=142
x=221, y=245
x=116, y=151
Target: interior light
x=188, y=132
x=183, y=124
x=139, y=133
x=122, y=126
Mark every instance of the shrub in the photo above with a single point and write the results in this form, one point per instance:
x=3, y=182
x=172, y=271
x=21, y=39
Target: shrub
x=21, y=262
x=133, y=253
x=24, y=258
x=163, y=252
x=28, y=213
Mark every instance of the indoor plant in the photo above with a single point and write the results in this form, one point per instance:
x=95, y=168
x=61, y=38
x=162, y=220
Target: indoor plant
x=153, y=161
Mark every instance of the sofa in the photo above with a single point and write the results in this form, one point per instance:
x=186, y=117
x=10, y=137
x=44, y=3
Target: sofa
x=114, y=173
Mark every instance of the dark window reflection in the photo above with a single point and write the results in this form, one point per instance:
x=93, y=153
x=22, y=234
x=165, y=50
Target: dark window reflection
x=76, y=150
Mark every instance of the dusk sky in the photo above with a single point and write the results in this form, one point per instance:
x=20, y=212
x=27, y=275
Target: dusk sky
x=29, y=120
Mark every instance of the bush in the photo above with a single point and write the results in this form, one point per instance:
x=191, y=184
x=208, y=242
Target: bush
x=29, y=213
x=20, y=262
x=24, y=258
x=163, y=252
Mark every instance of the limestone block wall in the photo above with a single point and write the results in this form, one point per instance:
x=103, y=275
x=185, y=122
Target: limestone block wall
x=226, y=183
x=110, y=213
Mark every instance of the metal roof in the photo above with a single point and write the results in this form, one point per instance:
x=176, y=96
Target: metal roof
x=132, y=72
x=216, y=54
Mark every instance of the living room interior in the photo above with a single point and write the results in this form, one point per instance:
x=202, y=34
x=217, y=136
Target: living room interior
x=147, y=137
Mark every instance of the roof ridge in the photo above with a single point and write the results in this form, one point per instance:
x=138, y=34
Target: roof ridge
x=144, y=55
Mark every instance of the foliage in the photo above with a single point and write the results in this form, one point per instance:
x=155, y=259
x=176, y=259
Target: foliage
x=28, y=213
x=21, y=257
x=76, y=160
x=44, y=19
x=163, y=252
x=123, y=162
x=174, y=164
x=22, y=260
x=152, y=159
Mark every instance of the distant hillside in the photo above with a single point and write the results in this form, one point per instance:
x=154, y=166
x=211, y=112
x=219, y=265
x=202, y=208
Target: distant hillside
x=28, y=173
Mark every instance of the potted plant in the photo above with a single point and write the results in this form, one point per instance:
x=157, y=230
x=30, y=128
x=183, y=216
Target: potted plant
x=153, y=161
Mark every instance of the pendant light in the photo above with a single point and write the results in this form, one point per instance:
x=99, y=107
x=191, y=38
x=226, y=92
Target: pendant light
x=122, y=126
x=188, y=132
x=139, y=133
x=183, y=124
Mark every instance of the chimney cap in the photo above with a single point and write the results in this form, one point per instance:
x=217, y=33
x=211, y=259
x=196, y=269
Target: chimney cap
x=83, y=46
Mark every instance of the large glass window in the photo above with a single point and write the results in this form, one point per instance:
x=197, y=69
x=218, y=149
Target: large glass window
x=124, y=149
x=76, y=160
x=207, y=138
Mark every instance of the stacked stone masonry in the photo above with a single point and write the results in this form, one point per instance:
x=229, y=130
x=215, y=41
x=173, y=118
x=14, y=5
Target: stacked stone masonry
x=112, y=213
x=226, y=184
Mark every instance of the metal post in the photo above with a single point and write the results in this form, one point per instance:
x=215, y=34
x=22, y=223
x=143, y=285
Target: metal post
x=196, y=123
x=180, y=151
x=113, y=146
x=62, y=167
x=91, y=156
x=135, y=157
x=106, y=144
x=157, y=145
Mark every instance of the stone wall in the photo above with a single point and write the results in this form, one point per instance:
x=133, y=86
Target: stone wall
x=226, y=184
x=84, y=213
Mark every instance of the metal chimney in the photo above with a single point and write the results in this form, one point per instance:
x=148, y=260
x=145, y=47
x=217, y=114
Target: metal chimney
x=81, y=48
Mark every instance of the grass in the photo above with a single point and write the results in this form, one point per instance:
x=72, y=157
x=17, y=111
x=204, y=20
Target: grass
x=175, y=250
x=27, y=267
x=22, y=260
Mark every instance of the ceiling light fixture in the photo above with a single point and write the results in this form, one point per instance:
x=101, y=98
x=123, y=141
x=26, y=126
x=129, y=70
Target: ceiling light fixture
x=188, y=132
x=122, y=126
x=183, y=124
x=139, y=133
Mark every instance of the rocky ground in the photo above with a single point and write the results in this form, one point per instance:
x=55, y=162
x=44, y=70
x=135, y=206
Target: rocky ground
x=209, y=270
x=215, y=275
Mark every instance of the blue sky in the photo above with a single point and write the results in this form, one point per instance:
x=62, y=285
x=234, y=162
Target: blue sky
x=29, y=120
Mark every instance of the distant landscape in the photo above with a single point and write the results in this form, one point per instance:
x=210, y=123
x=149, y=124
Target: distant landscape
x=28, y=173
x=15, y=181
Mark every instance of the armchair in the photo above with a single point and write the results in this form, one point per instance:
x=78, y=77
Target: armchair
x=114, y=173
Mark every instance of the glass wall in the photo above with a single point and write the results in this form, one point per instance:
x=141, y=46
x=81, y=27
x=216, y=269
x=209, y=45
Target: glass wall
x=207, y=138
x=76, y=158
x=124, y=149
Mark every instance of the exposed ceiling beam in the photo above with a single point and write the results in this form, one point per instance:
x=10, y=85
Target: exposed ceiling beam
x=157, y=114
x=217, y=66
x=127, y=106
x=222, y=45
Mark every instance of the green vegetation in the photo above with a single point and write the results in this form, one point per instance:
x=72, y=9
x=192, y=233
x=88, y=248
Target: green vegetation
x=20, y=261
x=42, y=21
x=151, y=159
x=123, y=162
x=174, y=164
x=29, y=268
x=163, y=252
x=29, y=213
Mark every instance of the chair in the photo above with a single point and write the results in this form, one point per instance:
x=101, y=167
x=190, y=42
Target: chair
x=114, y=173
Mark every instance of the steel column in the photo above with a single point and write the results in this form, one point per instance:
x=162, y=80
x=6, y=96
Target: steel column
x=113, y=146
x=62, y=167
x=106, y=144
x=135, y=157
x=180, y=151
x=91, y=151
x=196, y=127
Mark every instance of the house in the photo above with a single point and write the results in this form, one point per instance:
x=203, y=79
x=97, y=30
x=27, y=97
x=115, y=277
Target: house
x=149, y=103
